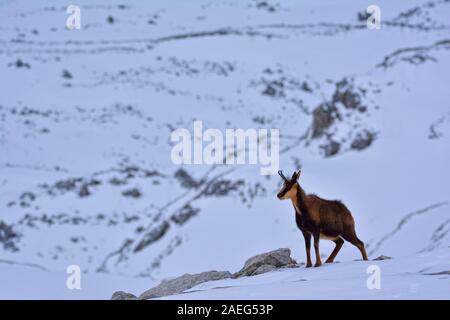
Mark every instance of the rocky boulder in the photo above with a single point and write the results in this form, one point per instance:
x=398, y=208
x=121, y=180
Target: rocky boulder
x=259, y=264
x=185, y=282
x=265, y=262
x=382, y=257
x=120, y=295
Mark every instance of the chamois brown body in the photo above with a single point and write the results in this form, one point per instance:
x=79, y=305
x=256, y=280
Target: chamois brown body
x=320, y=219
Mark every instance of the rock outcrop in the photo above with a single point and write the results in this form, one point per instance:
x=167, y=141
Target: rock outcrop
x=185, y=282
x=259, y=264
x=382, y=257
x=266, y=262
x=121, y=295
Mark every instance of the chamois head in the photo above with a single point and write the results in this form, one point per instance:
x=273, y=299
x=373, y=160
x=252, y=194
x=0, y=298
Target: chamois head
x=288, y=190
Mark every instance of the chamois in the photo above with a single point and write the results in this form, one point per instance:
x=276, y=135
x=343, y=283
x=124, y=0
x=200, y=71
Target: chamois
x=321, y=219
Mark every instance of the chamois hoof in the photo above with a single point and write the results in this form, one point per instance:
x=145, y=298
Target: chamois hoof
x=308, y=266
x=318, y=264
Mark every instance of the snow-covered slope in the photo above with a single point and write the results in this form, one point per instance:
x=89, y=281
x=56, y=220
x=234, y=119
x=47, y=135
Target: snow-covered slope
x=86, y=115
x=419, y=276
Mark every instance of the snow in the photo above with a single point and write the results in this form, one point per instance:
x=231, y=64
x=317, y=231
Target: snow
x=415, y=276
x=25, y=282
x=133, y=82
x=403, y=278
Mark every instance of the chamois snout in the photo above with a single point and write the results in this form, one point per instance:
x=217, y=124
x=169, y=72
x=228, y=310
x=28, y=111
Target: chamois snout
x=285, y=192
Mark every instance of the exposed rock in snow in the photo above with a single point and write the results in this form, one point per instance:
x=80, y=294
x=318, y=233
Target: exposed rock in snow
x=133, y=193
x=331, y=148
x=184, y=214
x=259, y=264
x=120, y=295
x=323, y=118
x=180, y=284
x=266, y=262
x=8, y=237
x=264, y=269
x=439, y=273
x=186, y=180
x=382, y=257
x=363, y=140
x=153, y=235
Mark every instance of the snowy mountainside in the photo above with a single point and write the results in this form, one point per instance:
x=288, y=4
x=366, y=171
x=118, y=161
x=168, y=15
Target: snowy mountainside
x=86, y=115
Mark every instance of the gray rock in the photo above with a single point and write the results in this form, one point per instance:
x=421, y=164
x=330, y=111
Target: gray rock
x=8, y=237
x=331, y=148
x=152, y=236
x=363, y=140
x=184, y=214
x=382, y=257
x=323, y=118
x=263, y=269
x=133, y=193
x=120, y=295
x=266, y=262
x=440, y=273
x=186, y=180
x=185, y=282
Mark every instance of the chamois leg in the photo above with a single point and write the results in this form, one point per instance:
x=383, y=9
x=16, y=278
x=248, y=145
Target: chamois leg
x=361, y=248
x=307, y=237
x=353, y=239
x=316, y=237
x=339, y=242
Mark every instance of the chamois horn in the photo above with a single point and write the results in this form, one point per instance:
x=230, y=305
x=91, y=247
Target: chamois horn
x=282, y=175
